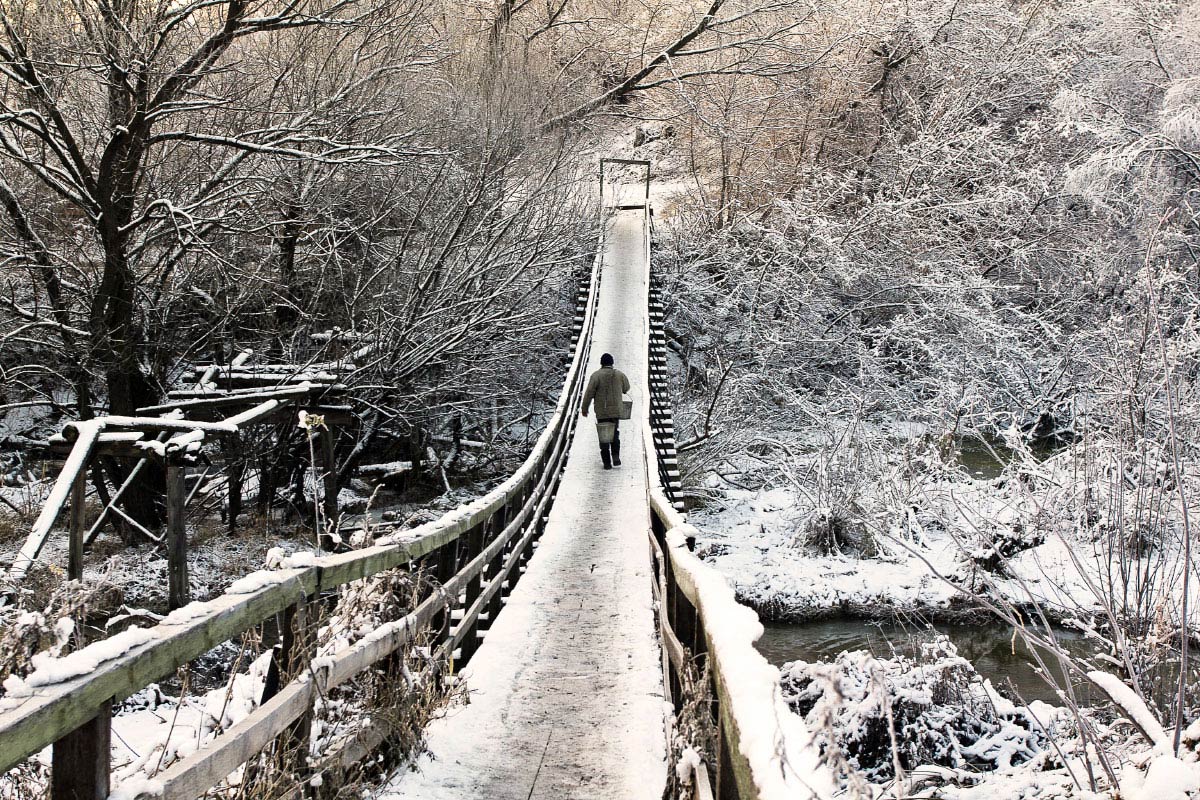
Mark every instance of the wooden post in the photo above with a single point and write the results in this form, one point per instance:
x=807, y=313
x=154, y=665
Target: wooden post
x=235, y=473
x=447, y=563
x=493, y=571
x=80, y=760
x=178, y=593
x=292, y=654
x=330, y=491
x=75, y=551
x=727, y=787
x=470, y=642
x=296, y=649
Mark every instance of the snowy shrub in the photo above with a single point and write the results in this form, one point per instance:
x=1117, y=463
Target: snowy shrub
x=55, y=629
x=994, y=547
x=837, y=532
x=932, y=709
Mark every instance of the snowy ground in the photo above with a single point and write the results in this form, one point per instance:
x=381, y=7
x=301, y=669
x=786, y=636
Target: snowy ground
x=565, y=697
x=215, y=559
x=922, y=540
x=932, y=535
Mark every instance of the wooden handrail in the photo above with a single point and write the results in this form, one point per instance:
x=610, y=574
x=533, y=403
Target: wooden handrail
x=52, y=712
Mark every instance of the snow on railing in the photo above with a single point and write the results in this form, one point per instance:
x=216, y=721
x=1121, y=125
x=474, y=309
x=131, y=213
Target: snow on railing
x=765, y=752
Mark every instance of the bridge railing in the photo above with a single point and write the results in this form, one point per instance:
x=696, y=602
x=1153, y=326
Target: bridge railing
x=762, y=750
x=474, y=552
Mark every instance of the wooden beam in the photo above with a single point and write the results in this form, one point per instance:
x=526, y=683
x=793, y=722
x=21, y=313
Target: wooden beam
x=178, y=591
x=75, y=544
x=76, y=463
x=230, y=400
x=29, y=724
x=80, y=761
x=191, y=777
x=183, y=395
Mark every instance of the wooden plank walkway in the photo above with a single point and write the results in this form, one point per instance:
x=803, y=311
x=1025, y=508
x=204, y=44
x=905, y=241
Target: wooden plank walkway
x=565, y=694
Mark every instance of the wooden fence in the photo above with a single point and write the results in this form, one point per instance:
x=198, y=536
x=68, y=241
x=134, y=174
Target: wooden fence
x=474, y=552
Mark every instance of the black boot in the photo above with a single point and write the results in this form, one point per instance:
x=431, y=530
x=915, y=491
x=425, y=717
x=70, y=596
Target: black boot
x=616, y=448
x=605, y=457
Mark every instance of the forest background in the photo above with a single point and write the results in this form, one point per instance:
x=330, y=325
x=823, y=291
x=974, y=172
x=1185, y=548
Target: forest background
x=893, y=228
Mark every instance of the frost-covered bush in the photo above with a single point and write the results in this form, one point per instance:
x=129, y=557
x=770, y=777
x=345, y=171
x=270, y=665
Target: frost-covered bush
x=931, y=709
x=839, y=531
x=55, y=629
x=992, y=548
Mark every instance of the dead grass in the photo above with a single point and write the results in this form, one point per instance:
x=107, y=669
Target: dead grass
x=57, y=626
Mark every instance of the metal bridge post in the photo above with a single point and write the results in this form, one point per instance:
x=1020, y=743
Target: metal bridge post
x=79, y=767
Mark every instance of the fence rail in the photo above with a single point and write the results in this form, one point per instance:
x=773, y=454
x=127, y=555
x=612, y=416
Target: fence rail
x=474, y=552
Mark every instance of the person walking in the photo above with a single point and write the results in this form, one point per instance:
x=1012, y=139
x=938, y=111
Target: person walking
x=605, y=387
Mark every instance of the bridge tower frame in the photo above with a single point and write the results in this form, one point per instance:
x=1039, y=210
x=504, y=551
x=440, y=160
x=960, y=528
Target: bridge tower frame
x=626, y=162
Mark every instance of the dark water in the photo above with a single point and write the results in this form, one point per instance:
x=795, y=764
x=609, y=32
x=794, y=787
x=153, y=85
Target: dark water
x=990, y=648
x=983, y=459
x=987, y=458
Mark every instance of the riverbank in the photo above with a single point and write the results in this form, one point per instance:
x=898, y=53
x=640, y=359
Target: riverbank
x=926, y=541
x=1051, y=537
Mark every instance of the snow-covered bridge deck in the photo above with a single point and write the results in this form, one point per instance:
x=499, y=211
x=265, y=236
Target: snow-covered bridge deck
x=565, y=693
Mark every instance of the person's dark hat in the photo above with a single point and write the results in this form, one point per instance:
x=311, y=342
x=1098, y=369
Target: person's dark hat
x=606, y=360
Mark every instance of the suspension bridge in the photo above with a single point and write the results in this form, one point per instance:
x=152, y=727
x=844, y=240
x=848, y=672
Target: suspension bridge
x=594, y=654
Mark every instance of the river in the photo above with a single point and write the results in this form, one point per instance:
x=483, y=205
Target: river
x=992, y=649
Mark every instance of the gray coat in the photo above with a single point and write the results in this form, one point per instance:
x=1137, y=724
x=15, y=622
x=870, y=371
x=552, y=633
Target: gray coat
x=605, y=387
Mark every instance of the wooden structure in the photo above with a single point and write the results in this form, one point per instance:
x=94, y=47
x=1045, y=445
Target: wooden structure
x=476, y=554
x=225, y=401
x=689, y=602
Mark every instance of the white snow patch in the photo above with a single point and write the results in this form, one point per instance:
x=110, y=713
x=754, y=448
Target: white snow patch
x=49, y=670
x=1168, y=778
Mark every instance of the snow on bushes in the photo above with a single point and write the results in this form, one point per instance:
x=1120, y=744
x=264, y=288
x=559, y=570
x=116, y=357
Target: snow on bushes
x=931, y=709
x=1059, y=530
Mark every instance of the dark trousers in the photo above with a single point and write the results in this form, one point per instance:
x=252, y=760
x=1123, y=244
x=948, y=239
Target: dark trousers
x=611, y=453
